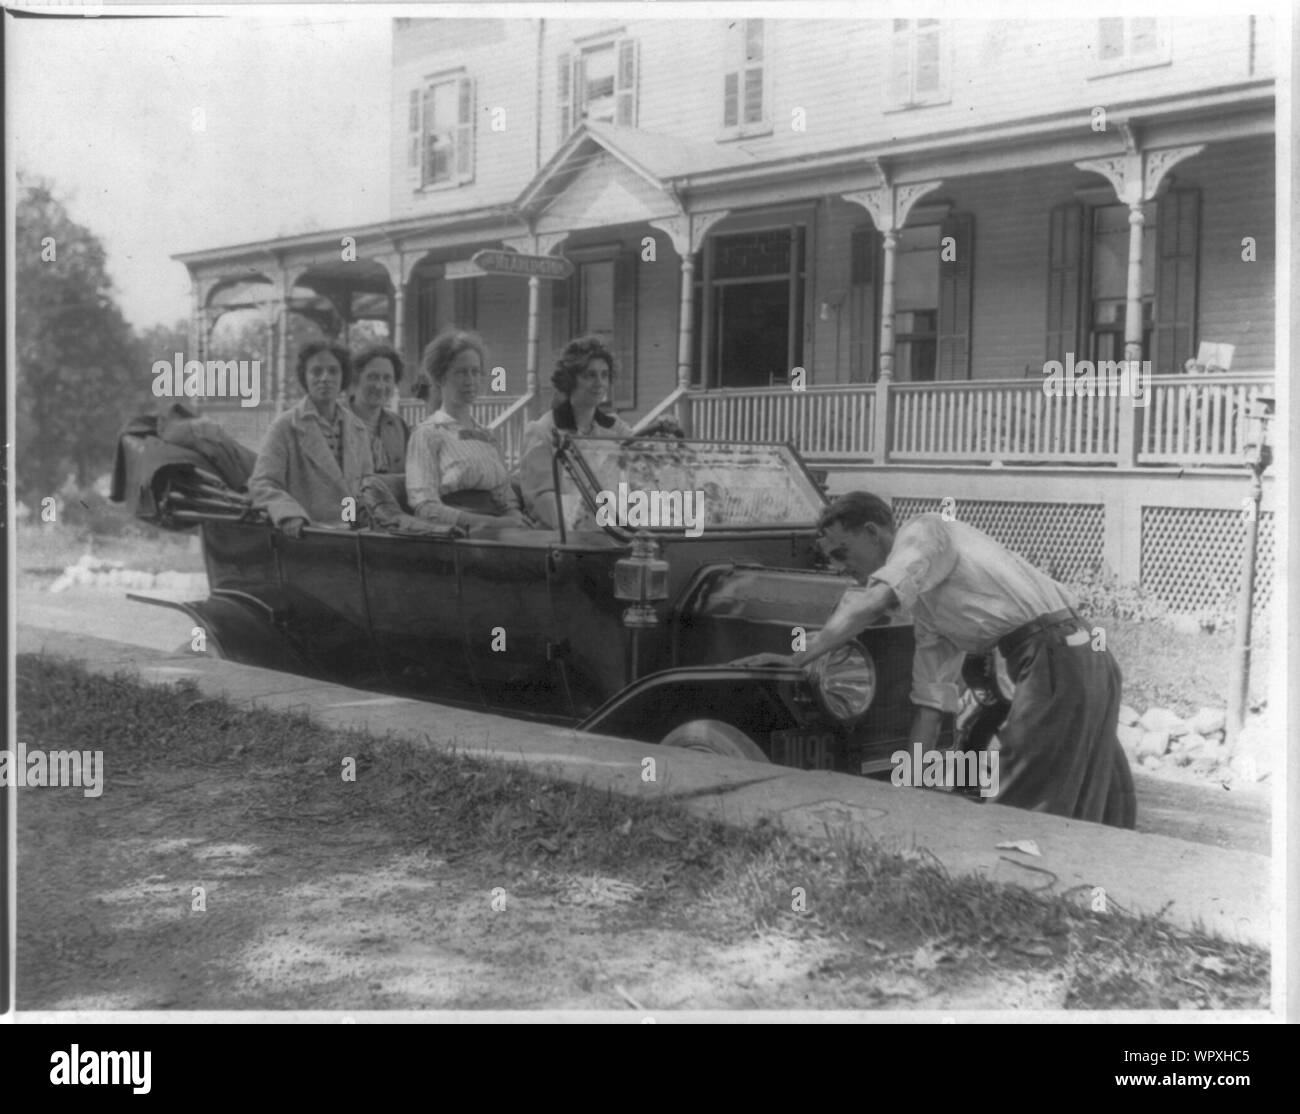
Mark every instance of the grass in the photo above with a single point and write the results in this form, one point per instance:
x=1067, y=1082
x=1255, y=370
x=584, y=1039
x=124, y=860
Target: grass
x=890, y=912
x=1167, y=668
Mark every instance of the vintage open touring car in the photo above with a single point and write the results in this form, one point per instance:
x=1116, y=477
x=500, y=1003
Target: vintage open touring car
x=604, y=624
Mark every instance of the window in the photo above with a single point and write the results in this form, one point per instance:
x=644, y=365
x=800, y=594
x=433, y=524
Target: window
x=916, y=304
x=744, y=88
x=1131, y=44
x=918, y=64
x=1110, y=233
x=1087, y=280
x=751, y=307
x=598, y=83
x=600, y=298
x=441, y=133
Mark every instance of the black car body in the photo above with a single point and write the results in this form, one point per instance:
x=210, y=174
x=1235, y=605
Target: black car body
x=612, y=626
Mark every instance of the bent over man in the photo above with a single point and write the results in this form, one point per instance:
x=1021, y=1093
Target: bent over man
x=966, y=593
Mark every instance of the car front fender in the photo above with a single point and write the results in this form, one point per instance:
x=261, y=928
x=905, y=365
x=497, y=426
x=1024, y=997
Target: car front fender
x=757, y=701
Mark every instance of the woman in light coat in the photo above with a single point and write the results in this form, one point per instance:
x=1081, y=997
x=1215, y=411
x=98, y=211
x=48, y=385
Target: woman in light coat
x=317, y=453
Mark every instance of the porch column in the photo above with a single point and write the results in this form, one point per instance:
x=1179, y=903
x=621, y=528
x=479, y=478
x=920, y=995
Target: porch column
x=888, y=206
x=542, y=243
x=279, y=315
x=394, y=263
x=687, y=232
x=1135, y=177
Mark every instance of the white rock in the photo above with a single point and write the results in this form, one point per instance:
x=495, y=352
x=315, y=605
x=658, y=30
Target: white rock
x=1208, y=720
x=1163, y=719
x=1185, y=624
x=1153, y=744
x=1150, y=762
x=1127, y=716
x=1129, y=738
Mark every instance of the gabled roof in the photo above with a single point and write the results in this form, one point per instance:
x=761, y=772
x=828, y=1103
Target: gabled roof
x=658, y=159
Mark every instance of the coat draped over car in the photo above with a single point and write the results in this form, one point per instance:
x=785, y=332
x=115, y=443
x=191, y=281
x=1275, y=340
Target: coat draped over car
x=296, y=475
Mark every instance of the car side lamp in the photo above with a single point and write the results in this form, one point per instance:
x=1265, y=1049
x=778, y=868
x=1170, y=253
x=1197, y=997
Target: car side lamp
x=640, y=580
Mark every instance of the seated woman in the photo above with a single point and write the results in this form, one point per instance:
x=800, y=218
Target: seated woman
x=317, y=453
x=376, y=372
x=455, y=473
x=581, y=379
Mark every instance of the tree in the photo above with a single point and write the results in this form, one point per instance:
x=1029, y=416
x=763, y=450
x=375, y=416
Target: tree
x=79, y=367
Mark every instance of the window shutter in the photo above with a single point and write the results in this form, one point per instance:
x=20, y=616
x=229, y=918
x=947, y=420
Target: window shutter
x=953, y=357
x=1178, y=232
x=561, y=323
x=413, y=137
x=564, y=96
x=426, y=310
x=625, y=79
x=753, y=68
x=625, y=267
x=579, y=89
x=428, y=139
x=731, y=100
x=465, y=303
x=1064, y=279
x=900, y=64
x=465, y=130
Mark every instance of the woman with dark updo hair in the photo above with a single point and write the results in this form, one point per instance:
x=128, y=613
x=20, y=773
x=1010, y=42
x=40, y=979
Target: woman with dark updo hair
x=582, y=379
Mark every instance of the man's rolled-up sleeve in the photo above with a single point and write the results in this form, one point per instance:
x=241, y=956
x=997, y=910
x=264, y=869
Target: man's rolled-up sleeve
x=921, y=557
x=936, y=672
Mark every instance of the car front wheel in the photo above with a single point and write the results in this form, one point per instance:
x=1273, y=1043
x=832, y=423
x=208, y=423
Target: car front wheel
x=713, y=736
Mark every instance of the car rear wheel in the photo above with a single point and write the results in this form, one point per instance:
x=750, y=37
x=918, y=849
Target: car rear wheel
x=713, y=736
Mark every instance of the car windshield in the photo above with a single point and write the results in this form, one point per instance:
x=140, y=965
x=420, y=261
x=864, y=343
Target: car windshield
x=663, y=483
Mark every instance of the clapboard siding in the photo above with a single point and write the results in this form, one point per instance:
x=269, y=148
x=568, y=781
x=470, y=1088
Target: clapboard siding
x=832, y=71
x=1235, y=298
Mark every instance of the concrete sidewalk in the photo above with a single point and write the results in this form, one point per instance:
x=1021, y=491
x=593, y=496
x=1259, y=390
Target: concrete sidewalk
x=1228, y=892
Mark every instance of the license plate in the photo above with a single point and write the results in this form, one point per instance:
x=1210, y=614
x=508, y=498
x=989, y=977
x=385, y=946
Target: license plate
x=804, y=749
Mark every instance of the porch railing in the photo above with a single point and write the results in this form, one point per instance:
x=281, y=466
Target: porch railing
x=820, y=421
x=1188, y=420
x=1198, y=419
x=1000, y=420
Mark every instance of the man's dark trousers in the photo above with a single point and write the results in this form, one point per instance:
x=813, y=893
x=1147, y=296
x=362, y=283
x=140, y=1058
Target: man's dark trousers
x=1060, y=752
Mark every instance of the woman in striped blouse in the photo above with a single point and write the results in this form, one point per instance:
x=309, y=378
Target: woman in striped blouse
x=455, y=473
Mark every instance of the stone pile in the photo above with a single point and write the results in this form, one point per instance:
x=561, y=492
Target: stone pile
x=1161, y=741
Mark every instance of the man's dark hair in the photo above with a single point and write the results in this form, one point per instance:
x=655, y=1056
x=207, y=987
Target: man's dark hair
x=307, y=351
x=573, y=361
x=378, y=352
x=854, y=510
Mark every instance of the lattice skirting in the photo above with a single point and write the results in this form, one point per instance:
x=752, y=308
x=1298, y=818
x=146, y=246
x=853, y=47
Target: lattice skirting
x=1191, y=557
x=1063, y=538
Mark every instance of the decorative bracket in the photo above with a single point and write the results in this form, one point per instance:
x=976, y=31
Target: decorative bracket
x=540, y=243
x=1160, y=162
x=687, y=230
x=889, y=205
x=1136, y=175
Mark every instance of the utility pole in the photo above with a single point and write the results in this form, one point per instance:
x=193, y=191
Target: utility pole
x=1258, y=456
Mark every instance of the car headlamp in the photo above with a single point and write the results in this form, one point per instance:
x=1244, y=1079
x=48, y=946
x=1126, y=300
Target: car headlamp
x=844, y=682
